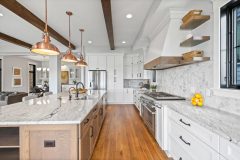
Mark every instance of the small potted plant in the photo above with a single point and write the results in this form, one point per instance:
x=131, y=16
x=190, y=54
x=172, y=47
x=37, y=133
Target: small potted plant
x=75, y=81
x=153, y=87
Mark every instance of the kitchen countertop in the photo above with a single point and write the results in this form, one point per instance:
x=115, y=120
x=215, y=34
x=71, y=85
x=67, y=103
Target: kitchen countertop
x=222, y=123
x=52, y=109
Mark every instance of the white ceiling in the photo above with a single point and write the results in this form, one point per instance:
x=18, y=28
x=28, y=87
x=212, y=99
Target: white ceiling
x=87, y=14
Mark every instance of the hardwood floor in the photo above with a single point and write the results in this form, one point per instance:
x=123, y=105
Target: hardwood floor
x=125, y=137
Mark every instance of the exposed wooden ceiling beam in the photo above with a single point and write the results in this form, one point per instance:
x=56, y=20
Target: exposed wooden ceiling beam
x=13, y=40
x=27, y=15
x=106, y=6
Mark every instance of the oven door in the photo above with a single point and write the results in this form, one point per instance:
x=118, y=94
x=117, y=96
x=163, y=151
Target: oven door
x=148, y=114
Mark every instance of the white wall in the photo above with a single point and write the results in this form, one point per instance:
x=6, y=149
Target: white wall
x=8, y=62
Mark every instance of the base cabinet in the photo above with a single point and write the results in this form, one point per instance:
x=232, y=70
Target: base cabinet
x=49, y=142
x=90, y=129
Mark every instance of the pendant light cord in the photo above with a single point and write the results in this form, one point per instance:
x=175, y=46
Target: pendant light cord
x=46, y=17
x=69, y=32
x=81, y=45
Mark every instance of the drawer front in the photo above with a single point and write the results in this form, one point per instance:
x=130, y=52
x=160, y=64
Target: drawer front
x=193, y=147
x=201, y=133
x=86, y=123
x=229, y=150
x=50, y=145
x=176, y=151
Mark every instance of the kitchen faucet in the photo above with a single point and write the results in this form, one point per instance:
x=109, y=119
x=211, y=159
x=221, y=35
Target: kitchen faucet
x=77, y=88
x=69, y=91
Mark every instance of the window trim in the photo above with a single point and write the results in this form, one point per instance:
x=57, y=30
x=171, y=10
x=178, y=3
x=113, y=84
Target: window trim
x=228, y=10
x=216, y=90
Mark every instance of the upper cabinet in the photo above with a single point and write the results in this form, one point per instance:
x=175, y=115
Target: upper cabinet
x=97, y=62
x=133, y=66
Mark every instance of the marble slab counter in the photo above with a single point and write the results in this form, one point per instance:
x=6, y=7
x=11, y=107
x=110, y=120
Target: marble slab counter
x=52, y=109
x=222, y=123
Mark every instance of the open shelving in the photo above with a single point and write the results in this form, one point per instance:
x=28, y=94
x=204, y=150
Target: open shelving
x=194, y=41
x=194, y=21
x=9, y=143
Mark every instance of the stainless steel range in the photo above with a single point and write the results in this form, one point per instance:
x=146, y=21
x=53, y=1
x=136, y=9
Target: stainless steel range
x=163, y=96
x=152, y=112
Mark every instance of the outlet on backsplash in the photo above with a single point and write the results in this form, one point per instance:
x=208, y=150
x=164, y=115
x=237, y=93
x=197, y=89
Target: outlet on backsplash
x=208, y=92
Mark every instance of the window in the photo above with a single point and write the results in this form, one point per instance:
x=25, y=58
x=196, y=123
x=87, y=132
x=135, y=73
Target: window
x=32, y=77
x=230, y=45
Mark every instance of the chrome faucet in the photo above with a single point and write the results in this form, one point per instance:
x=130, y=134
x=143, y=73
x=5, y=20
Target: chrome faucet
x=77, y=88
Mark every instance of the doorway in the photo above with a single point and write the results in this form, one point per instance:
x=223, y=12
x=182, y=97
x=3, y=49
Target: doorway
x=32, y=77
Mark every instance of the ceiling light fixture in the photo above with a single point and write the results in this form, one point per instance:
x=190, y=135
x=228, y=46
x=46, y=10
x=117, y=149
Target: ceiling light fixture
x=89, y=42
x=45, y=47
x=81, y=62
x=123, y=42
x=129, y=16
x=69, y=56
x=1, y=15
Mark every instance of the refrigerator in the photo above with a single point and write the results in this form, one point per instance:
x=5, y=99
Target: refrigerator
x=97, y=79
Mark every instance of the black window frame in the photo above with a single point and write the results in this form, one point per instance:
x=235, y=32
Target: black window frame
x=228, y=11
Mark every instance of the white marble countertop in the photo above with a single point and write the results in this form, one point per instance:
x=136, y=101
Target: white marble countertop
x=222, y=123
x=53, y=109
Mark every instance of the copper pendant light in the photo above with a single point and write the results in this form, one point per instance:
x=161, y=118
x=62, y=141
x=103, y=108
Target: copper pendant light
x=45, y=47
x=69, y=56
x=81, y=62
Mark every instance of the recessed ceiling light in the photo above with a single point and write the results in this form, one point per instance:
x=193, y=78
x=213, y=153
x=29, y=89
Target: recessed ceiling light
x=129, y=16
x=1, y=15
x=123, y=42
x=89, y=42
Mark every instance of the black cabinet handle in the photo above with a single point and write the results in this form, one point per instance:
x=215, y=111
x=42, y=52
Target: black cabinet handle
x=187, y=143
x=187, y=124
x=91, y=131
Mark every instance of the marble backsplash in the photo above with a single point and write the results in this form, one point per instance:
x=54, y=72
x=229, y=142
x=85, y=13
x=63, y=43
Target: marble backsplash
x=184, y=81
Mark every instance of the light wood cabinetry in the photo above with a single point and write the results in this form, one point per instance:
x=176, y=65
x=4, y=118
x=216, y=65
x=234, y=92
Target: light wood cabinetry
x=90, y=129
x=49, y=142
x=53, y=141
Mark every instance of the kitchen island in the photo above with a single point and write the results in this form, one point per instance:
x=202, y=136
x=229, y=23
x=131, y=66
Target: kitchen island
x=52, y=127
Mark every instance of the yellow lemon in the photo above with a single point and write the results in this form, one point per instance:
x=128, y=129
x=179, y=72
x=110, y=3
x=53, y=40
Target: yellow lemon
x=198, y=95
x=200, y=104
x=194, y=103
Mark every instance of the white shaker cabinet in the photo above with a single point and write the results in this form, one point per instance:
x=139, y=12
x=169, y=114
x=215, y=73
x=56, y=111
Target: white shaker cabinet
x=133, y=67
x=97, y=62
x=115, y=79
x=185, y=143
x=229, y=150
x=128, y=96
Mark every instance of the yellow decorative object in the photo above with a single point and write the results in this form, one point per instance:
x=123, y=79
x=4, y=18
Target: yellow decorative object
x=197, y=100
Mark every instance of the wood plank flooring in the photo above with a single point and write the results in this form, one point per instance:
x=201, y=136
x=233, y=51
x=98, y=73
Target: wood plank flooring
x=125, y=137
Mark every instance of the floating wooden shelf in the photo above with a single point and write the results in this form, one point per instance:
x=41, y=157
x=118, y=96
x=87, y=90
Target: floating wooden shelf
x=194, y=22
x=175, y=62
x=193, y=41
